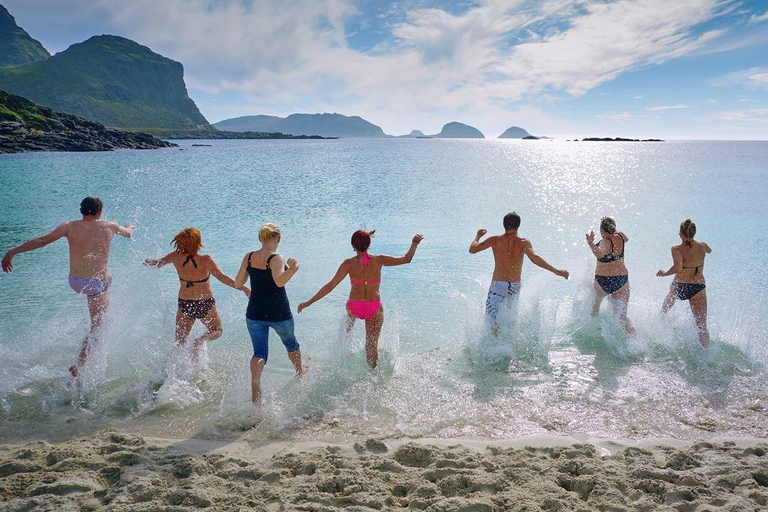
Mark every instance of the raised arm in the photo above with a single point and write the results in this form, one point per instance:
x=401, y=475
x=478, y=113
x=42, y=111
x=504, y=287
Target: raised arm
x=165, y=260
x=677, y=264
x=126, y=231
x=540, y=262
x=393, y=261
x=35, y=243
x=216, y=272
x=280, y=274
x=477, y=246
x=329, y=286
x=598, y=251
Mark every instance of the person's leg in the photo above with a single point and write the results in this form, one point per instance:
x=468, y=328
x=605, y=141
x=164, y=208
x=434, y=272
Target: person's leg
x=212, y=322
x=669, y=300
x=372, y=332
x=699, y=309
x=257, y=367
x=97, y=308
x=622, y=302
x=285, y=331
x=496, y=294
x=259, y=332
x=599, y=296
x=184, y=324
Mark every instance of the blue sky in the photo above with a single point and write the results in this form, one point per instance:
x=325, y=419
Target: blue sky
x=679, y=69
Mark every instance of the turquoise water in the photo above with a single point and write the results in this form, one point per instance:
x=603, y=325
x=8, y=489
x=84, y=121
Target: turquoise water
x=554, y=370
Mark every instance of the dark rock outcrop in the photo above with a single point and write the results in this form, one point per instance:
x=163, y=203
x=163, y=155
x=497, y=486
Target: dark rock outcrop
x=16, y=46
x=25, y=126
x=617, y=139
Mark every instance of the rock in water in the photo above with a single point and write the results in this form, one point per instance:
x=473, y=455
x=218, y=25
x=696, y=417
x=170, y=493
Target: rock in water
x=25, y=126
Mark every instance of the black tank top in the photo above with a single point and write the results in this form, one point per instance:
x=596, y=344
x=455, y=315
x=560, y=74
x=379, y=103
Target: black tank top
x=268, y=302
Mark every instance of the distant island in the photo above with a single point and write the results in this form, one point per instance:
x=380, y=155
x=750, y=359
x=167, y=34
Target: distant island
x=617, y=139
x=25, y=126
x=209, y=132
x=515, y=132
x=456, y=130
x=326, y=125
x=415, y=134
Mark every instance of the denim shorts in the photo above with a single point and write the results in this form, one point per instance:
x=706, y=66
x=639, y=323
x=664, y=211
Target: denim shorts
x=259, y=331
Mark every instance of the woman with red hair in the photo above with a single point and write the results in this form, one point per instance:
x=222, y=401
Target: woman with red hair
x=364, y=302
x=196, y=300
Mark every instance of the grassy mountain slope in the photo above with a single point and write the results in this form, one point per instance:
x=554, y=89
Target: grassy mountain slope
x=16, y=46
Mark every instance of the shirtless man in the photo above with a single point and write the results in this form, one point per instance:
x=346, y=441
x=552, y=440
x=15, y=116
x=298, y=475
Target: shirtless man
x=508, y=252
x=89, y=241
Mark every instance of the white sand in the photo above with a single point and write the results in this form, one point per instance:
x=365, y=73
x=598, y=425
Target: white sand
x=118, y=471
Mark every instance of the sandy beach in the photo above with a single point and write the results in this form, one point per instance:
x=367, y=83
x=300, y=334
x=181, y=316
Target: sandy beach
x=114, y=470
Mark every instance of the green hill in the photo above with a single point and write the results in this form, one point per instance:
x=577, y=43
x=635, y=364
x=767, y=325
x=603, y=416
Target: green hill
x=326, y=125
x=111, y=80
x=16, y=46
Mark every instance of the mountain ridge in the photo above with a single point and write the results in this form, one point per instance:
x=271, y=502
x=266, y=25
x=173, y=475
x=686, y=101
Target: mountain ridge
x=16, y=45
x=325, y=124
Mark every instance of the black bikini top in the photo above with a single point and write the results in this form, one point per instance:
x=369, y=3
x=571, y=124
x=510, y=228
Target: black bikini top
x=697, y=267
x=611, y=256
x=190, y=284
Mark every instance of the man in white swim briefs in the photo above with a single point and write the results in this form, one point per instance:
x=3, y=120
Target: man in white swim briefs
x=508, y=252
x=89, y=241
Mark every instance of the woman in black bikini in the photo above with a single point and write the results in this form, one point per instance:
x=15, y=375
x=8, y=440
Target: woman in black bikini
x=611, y=275
x=196, y=300
x=689, y=283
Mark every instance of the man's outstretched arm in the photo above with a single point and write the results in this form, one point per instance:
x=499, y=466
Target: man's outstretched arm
x=540, y=262
x=477, y=246
x=35, y=243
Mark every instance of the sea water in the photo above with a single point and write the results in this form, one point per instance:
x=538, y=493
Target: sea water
x=552, y=369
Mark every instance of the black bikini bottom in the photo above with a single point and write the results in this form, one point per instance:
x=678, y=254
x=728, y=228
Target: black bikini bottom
x=611, y=284
x=686, y=291
x=196, y=308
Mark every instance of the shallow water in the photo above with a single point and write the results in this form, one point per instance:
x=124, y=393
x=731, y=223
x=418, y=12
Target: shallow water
x=441, y=374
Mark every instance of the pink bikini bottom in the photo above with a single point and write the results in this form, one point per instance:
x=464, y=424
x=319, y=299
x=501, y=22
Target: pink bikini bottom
x=363, y=309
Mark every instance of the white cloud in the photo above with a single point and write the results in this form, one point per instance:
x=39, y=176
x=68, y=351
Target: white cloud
x=471, y=66
x=621, y=116
x=712, y=101
x=637, y=97
x=668, y=107
x=757, y=18
x=752, y=78
x=755, y=115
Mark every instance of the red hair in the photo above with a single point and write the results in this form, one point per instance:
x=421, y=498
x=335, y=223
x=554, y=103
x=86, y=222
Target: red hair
x=361, y=239
x=188, y=241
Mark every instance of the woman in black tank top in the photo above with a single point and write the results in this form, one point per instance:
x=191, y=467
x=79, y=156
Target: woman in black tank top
x=268, y=306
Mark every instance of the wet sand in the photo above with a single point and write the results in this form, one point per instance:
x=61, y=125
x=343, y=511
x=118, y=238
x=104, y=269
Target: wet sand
x=115, y=470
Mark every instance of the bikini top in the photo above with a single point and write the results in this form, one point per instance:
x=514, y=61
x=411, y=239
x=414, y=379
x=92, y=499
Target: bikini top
x=190, y=284
x=697, y=267
x=611, y=256
x=366, y=259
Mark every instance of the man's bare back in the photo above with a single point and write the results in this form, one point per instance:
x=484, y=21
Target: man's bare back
x=89, y=244
x=508, y=253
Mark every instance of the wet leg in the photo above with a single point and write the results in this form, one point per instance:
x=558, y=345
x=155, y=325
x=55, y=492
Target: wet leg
x=669, y=301
x=184, y=324
x=699, y=308
x=622, y=302
x=372, y=332
x=212, y=323
x=599, y=296
x=257, y=367
x=97, y=308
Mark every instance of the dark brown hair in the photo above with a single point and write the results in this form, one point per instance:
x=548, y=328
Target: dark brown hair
x=511, y=221
x=91, y=205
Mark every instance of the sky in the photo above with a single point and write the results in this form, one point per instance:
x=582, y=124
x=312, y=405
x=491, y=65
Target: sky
x=674, y=69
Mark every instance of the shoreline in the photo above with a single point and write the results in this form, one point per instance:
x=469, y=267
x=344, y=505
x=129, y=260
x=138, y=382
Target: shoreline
x=116, y=470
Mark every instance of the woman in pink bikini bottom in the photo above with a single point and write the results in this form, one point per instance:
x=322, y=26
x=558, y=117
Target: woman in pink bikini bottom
x=364, y=302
